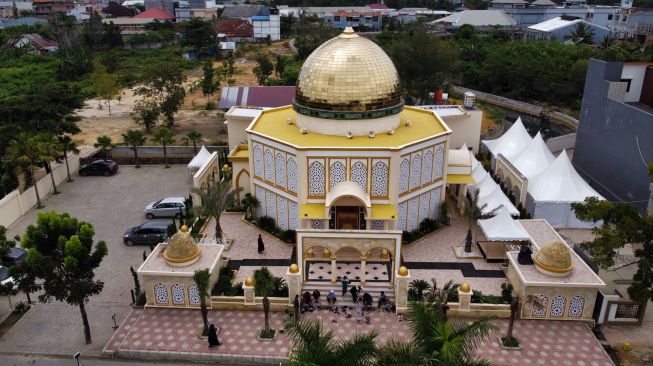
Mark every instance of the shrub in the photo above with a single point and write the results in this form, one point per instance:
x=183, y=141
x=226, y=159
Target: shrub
x=408, y=236
x=506, y=292
x=428, y=225
x=480, y=298
x=223, y=285
x=21, y=308
x=288, y=236
x=266, y=223
x=141, y=300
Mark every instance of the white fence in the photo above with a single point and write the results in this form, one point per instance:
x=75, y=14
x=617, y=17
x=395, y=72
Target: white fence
x=15, y=204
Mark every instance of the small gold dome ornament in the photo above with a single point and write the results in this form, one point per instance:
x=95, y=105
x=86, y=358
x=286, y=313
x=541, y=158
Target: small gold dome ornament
x=182, y=249
x=249, y=281
x=293, y=268
x=403, y=271
x=464, y=287
x=553, y=259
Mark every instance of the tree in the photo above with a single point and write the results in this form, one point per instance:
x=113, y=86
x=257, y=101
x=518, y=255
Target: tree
x=621, y=225
x=51, y=149
x=105, y=84
x=112, y=38
x=134, y=139
x=437, y=340
x=105, y=144
x=163, y=88
x=67, y=144
x=201, y=278
x=164, y=137
x=515, y=305
x=472, y=212
x=146, y=112
x=214, y=200
x=61, y=252
x=209, y=83
x=192, y=137
x=227, y=71
x=8, y=289
x=279, y=66
x=250, y=203
x=582, y=34
x=24, y=279
x=263, y=68
x=25, y=151
x=5, y=244
x=264, y=286
x=197, y=34
x=420, y=287
x=312, y=345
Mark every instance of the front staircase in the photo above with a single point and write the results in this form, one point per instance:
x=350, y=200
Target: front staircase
x=373, y=288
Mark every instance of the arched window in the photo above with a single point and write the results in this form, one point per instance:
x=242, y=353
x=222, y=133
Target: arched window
x=359, y=174
x=292, y=175
x=336, y=174
x=316, y=179
x=576, y=305
x=558, y=303
x=404, y=171
x=540, y=311
x=161, y=293
x=416, y=172
x=379, y=179
x=427, y=169
x=193, y=295
x=258, y=161
x=280, y=164
x=178, y=296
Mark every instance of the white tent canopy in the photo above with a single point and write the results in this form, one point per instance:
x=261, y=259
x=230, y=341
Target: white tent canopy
x=510, y=143
x=502, y=227
x=535, y=158
x=560, y=183
x=494, y=200
x=478, y=173
x=202, y=156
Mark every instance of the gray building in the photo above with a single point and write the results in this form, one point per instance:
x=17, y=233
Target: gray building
x=541, y=11
x=167, y=5
x=615, y=136
x=562, y=29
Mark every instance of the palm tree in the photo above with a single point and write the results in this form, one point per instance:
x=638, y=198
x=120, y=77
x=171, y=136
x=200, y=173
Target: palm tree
x=438, y=298
x=67, y=144
x=51, y=149
x=104, y=143
x=472, y=211
x=192, y=137
x=217, y=197
x=164, y=137
x=250, y=203
x=201, y=278
x=134, y=138
x=25, y=151
x=437, y=340
x=263, y=286
x=312, y=345
x=516, y=305
x=420, y=287
x=582, y=34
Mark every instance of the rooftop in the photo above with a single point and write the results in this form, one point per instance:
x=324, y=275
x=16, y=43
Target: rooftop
x=156, y=264
x=541, y=233
x=273, y=123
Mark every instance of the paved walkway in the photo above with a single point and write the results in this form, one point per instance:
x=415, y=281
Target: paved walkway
x=172, y=333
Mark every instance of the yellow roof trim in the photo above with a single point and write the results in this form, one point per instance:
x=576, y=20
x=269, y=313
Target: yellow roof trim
x=312, y=211
x=384, y=212
x=460, y=179
x=273, y=124
x=239, y=153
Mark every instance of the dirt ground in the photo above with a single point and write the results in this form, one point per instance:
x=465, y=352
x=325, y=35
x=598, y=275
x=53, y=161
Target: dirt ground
x=96, y=120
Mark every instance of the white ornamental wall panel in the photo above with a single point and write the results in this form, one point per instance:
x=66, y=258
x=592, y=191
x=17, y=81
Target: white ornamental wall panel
x=377, y=225
x=401, y=216
x=271, y=205
x=576, y=305
x=193, y=295
x=260, y=194
x=435, y=203
x=404, y=174
x=280, y=165
x=415, y=171
x=292, y=174
x=424, y=206
x=427, y=167
x=316, y=178
x=292, y=215
x=178, y=295
x=359, y=173
x=161, y=293
x=317, y=224
x=439, y=161
x=379, y=179
x=282, y=212
x=558, y=303
x=269, y=165
x=413, y=204
x=337, y=173
x=258, y=161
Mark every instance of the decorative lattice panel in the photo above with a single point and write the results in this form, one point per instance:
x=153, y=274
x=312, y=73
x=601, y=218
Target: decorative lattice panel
x=260, y=194
x=404, y=173
x=416, y=171
x=178, y=296
x=161, y=293
x=258, y=161
x=193, y=295
x=292, y=174
x=317, y=224
x=412, y=214
x=316, y=179
x=377, y=225
x=439, y=160
x=435, y=203
x=269, y=165
x=424, y=206
x=379, y=179
x=558, y=306
x=292, y=215
x=271, y=204
x=576, y=305
x=280, y=165
x=359, y=174
x=427, y=167
x=401, y=216
x=282, y=214
x=337, y=174
x=540, y=311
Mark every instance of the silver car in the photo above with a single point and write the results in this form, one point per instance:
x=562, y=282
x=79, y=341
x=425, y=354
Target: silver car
x=166, y=207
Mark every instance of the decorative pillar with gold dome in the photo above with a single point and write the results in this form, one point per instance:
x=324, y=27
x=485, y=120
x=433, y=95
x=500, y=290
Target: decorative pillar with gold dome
x=294, y=280
x=166, y=276
x=464, y=296
x=402, y=279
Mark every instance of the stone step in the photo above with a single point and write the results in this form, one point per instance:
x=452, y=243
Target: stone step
x=373, y=288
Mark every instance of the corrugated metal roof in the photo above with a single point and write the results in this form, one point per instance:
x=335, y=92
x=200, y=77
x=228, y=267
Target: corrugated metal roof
x=244, y=11
x=36, y=40
x=478, y=18
x=558, y=23
x=256, y=96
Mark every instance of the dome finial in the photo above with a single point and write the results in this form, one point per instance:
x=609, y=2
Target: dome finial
x=348, y=30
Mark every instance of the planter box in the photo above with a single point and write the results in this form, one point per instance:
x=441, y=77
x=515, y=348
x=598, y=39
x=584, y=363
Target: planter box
x=518, y=348
x=274, y=337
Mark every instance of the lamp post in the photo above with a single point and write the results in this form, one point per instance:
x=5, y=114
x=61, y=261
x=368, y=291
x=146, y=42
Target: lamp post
x=76, y=357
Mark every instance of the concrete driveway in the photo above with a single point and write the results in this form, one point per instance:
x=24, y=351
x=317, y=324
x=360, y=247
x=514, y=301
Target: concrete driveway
x=112, y=204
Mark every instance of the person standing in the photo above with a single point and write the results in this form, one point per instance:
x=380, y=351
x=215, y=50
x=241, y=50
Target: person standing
x=359, y=310
x=213, y=336
x=261, y=246
x=354, y=294
x=345, y=284
x=316, y=298
x=295, y=305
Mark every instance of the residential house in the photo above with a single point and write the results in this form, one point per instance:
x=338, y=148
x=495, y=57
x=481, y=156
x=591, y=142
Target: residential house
x=634, y=23
x=562, y=29
x=235, y=30
x=7, y=8
x=52, y=6
x=508, y=4
x=266, y=22
x=34, y=43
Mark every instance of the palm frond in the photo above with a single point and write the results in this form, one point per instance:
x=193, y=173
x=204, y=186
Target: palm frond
x=396, y=353
x=359, y=350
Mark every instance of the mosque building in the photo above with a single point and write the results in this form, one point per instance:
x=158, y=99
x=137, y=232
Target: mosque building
x=348, y=165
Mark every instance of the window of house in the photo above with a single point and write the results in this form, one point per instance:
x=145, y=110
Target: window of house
x=336, y=19
x=609, y=16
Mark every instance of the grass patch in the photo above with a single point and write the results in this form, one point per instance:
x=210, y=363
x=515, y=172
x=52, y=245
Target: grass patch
x=512, y=342
x=267, y=335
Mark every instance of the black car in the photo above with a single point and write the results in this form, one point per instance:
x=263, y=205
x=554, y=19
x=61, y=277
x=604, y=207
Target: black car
x=149, y=233
x=15, y=256
x=99, y=167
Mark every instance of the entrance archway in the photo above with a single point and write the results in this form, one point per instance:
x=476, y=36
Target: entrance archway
x=349, y=206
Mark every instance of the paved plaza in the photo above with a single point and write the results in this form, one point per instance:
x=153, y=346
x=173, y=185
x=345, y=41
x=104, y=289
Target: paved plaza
x=112, y=204
x=161, y=333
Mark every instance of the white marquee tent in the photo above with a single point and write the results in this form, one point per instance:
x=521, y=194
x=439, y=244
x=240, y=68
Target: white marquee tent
x=502, y=227
x=491, y=197
x=510, y=143
x=552, y=191
x=198, y=160
x=535, y=158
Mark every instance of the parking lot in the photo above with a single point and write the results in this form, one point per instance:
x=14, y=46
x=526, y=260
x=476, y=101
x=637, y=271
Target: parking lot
x=112, y=205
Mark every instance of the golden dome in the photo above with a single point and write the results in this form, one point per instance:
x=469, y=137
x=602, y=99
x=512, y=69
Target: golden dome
x=348, y=73
x=181, y=248
x=293, y=268
x=553, y=258
x=464, y=287
x=403, y=271
x=249, y=281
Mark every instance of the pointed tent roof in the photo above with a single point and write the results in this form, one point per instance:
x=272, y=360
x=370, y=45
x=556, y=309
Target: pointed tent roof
x=486, y=186
x=494, y=200
x=560, y=183
x=478, y=173
x=502, y=227
x=534, y=158
x=510, y=143
x=202, y=156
